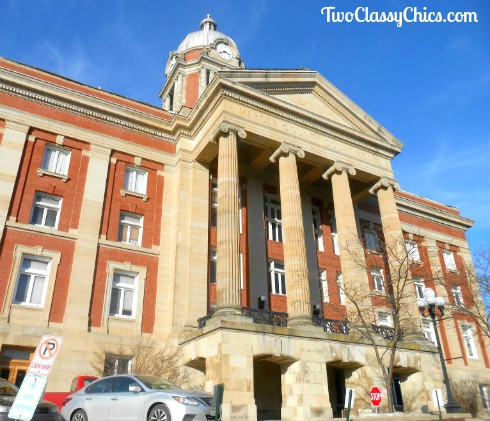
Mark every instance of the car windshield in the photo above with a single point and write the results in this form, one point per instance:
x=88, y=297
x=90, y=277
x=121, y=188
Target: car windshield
x=153, y=382
x=7, y=388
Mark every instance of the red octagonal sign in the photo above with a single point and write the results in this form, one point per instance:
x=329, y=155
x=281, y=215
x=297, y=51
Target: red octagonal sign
x=375, y=396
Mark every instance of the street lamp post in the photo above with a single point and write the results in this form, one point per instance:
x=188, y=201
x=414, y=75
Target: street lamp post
x=429, y=303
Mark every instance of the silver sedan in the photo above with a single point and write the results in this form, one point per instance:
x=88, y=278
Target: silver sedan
x=136, y=398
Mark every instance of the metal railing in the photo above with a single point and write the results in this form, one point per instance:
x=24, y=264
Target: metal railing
x=332, y=326
x=386, y=332
x=263, y=317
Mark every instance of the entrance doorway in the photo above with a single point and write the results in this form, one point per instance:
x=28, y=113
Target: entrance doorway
x=14, y=361
x=336, y=390
x=267, y=390
x=397, y=392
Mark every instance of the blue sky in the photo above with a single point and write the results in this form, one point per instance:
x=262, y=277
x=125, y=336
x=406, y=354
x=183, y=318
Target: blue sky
x=427, y=83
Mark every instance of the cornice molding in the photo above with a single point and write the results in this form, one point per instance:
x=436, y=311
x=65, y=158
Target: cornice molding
x=421, y=210
x=67, y=99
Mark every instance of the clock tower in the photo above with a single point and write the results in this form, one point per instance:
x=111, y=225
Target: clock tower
x=191, y=68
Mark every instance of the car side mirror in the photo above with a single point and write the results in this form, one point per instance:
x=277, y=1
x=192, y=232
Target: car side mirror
x=134, y=389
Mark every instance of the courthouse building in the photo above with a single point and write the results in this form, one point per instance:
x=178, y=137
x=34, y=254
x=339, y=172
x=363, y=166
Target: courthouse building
x=235, y=220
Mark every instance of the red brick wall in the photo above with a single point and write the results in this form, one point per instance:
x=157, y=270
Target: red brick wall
x=29, y=182
x=191, y=90
x=65, y=246
x=106, y=255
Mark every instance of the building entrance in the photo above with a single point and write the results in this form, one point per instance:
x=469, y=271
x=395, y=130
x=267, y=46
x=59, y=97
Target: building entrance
x=336, y=390
x=14, y=362
x=267, y=390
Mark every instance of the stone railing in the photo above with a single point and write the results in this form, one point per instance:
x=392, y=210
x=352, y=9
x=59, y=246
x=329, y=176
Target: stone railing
x=331, y=326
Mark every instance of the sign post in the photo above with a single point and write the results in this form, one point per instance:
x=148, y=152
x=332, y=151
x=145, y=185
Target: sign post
x=437, y=399
x=349, y=401
x=375, y=397
x=34, y=383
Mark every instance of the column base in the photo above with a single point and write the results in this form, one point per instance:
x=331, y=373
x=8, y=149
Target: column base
x=301, y=321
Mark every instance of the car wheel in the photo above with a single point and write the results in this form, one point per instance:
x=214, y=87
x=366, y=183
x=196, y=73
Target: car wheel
x=79, y=415
x=159, y=413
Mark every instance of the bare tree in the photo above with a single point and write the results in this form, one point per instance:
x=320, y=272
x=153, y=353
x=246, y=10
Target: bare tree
x=162, y=359
x=390, y=292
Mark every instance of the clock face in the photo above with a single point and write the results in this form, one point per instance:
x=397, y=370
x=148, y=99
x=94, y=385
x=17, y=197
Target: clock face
x=224, y=51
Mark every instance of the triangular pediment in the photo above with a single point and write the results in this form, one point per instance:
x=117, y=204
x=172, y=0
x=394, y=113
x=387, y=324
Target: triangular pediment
x=310, y=93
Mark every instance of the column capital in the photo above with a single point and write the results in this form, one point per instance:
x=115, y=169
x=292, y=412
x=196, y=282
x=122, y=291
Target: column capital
x=337, y=168
x=226, y=127
x=285, y=149
x=384, y=183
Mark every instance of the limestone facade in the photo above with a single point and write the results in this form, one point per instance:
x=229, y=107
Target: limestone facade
x=248, y=220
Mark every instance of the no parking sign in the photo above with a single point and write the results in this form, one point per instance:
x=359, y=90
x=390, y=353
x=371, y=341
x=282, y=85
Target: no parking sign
x=45, y=355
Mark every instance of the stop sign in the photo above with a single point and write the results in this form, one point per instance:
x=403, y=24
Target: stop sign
x=375, y=396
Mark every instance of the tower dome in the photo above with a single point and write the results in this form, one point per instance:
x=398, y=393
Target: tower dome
x=207, y=36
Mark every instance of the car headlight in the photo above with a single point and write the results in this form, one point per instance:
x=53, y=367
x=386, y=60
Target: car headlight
x=186, y=401
x=5, y=408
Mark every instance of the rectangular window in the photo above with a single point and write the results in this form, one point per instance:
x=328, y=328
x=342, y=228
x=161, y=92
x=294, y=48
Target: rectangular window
x=32, y=282
x=46, y=210
x=130, y=228
x=323, y=280
x=449, y=260
x=123, y=295
x=273, y=218
x=384, y=319
x=56, y=160
x=419, y=285
x=378, y=282
x=277, y=276
x=335, y=238
x=317, y=228
x=372, y=241
x=428, y=329
x=412, y=251
x=135, y=180
x=117, y=364
x=457, y=295
x=212, y=265
x=214, y=202
x=241, y=270
x=469, y=342
x=340, y=283
x=485, y=396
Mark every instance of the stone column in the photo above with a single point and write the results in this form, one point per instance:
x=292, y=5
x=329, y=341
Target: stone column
x=11, y=148
x=297, y=288
x=397, y=256
x=352, y=259
x=84, y=259
x=228, y=227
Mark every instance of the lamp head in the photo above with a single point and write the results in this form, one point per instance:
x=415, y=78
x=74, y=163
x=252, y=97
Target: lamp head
x=430, y=296
x=316, y=310
x=261, y=302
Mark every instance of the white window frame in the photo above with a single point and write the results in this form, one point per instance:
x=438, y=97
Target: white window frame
x=340, y=283
x=378, y=279
x=124, y=287
x=115, y=360
x=322, y=274
x=213, y=261
x=457, y=295
x=412, y=251
x=449, y=260
x=131, y=226
x=317, y=227
x=469, y=342
x=335, y=237
x=32, y=274
x=372, y=240
x=419, y=285
x=383, y=318
x=241, y=270
x=485, y=396
x=54, y=166
x=277, y=272
x=116, y=324
x=274, y=224
x=45, y=207
x=428, y=329
x=131, y=175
